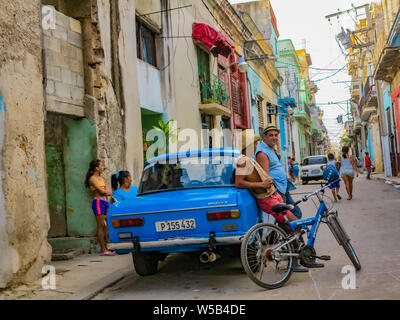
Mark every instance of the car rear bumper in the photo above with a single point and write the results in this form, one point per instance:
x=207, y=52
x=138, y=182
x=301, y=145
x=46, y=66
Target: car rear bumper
x=172, y=242
x=315, y=177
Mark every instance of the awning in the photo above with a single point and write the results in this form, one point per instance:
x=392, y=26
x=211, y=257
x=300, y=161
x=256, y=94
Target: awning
x=213, y=40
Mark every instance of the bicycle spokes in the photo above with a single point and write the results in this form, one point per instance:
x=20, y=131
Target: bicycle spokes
x=267, y=256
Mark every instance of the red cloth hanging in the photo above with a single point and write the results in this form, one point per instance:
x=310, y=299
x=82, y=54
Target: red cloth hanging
x=213, y=40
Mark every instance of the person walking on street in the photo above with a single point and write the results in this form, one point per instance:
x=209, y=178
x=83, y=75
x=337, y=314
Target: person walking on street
x=295, y=169
x=336, y=187
x=100, y=204
x=368, y=165
x=348, y=169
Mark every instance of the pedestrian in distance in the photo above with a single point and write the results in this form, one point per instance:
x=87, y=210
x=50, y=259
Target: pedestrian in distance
x=290, y=168
x=348, y=168
x=368, y=165
x=125, y=191
x=100, y=204
x=335, y=187
x=295, y=169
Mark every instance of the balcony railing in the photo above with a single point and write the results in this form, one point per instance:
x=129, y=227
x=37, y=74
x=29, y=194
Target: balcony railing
x=369, y=91
x=213, y=90
x=369, y=86
x=368, y=102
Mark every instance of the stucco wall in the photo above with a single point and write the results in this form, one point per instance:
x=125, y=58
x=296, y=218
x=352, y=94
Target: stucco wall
x=24, y=215
x=129, y=78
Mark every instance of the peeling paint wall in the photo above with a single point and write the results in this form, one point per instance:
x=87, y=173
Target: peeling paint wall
x=24, y=214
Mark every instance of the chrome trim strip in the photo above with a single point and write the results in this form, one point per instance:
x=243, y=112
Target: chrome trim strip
x=172, y=210
x=174, y=242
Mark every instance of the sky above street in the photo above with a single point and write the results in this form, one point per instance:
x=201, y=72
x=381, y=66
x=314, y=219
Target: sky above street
x=305, y=24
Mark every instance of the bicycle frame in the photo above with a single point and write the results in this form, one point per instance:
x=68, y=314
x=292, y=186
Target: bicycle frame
x=313, y=222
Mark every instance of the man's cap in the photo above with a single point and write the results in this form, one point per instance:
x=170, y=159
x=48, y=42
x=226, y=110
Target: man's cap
x=248, y=137
x=270, y=128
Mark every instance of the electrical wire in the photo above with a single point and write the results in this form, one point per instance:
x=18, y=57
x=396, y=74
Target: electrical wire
x=308, y=67
x=332, y=75
x=330, y=63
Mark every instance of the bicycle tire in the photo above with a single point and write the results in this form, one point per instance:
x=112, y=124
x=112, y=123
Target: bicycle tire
x=343, y=240
x=254, y=266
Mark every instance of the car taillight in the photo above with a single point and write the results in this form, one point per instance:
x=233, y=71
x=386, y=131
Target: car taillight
x=221, y=215
x=123, y=223
x=305, y=171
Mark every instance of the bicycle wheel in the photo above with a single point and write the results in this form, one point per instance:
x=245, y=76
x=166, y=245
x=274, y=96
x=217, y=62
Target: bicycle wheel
x=343, y=240
x=265, y=257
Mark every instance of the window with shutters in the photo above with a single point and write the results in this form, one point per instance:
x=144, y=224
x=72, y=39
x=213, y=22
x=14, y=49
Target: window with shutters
x=237, y=99
x=146, y=44
x=271, y=112
x=203, y=64
x=261, y=124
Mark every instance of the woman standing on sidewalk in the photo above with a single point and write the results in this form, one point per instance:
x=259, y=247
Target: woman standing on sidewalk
x=100, y=204
x=348, y=168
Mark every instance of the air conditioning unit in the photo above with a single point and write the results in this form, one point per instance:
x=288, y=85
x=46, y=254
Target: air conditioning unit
x=356, y=89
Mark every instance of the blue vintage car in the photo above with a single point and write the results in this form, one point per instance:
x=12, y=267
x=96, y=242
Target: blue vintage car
x=187, y=202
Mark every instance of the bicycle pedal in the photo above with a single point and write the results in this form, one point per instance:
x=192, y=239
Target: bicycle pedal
x=324, y=258
x=314, y=265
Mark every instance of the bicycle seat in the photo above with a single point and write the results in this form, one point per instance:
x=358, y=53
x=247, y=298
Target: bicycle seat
x=279, y=208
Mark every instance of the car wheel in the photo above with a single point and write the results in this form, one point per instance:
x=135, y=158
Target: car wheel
x=305, y=181
x=146, y=264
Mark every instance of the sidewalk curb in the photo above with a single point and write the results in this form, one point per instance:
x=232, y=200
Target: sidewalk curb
x=384, y=179
x=93, y=289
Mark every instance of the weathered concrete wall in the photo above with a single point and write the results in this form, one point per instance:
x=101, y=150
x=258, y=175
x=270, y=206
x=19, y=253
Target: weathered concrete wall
x=6, y=260
x=129, y=82
x=103, y=105
x=64, y=66
x=24, y=215
x=376, y=141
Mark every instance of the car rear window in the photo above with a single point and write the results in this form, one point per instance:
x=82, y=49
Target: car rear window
x=315, y=160
x=188, y=173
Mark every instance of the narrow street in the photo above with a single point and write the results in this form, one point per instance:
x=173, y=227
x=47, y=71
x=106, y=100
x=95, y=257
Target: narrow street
x=122, y=123
x=371, y=219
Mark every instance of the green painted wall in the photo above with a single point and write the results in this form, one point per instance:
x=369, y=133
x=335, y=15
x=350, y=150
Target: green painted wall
x=80, y=147
x=56, y=191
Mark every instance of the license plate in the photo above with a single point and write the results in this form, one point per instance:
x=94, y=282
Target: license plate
x=315, y=171
x=175, y=225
